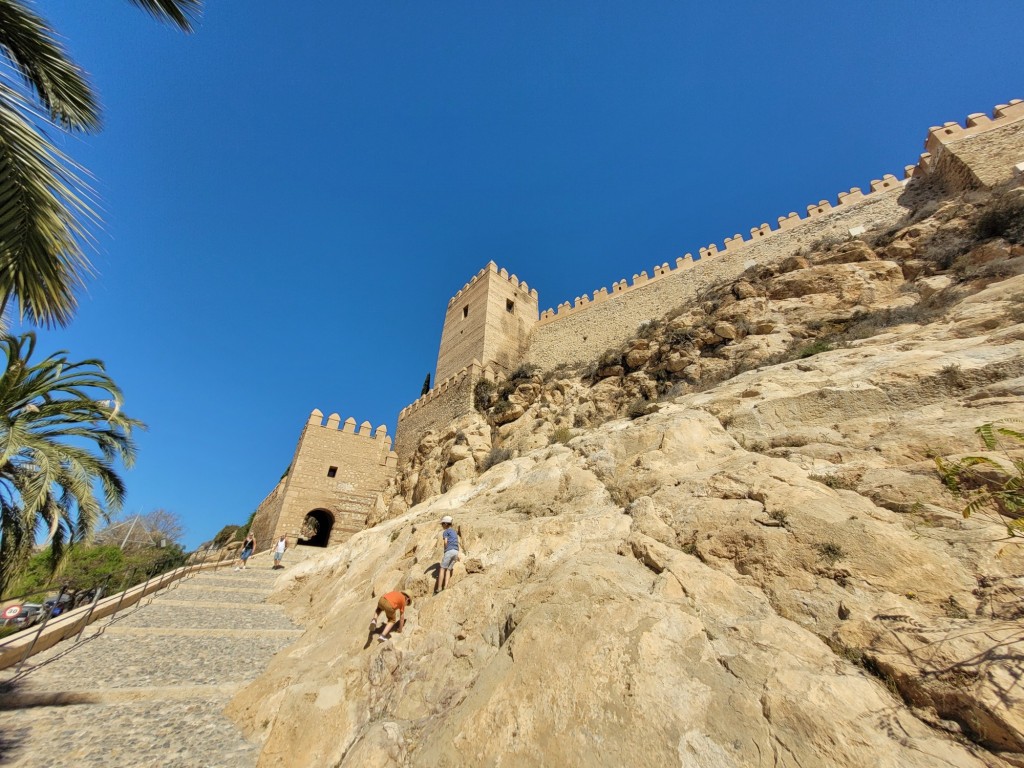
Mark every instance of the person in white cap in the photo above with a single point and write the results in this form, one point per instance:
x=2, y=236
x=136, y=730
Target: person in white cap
x=450, y=542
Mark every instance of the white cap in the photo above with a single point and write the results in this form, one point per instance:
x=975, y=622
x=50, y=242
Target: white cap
x=447, y=519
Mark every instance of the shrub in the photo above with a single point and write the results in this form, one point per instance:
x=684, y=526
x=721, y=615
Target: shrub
x=522, y=373
x=830, y=552
x=609, y=358
x=496, y=456
x=225, y=534
x=562, y=435
x=954, y=376
x=648, y=329
x=502, y=406
x=829, y=241
x=816, y=347
x=991, y=488
x=483, y=394
x=1005, y=218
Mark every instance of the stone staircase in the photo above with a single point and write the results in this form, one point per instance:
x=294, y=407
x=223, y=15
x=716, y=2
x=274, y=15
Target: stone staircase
x=149, y=688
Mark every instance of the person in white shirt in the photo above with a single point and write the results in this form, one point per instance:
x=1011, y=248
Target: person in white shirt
x=282, y=545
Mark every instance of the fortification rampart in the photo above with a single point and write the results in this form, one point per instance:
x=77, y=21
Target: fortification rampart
x=958, y=157
x=979, y=153
x=267, y=514
x=336, y=474
x=450, y=399
x=786, y=224
x=582, y=332
x=982, y=152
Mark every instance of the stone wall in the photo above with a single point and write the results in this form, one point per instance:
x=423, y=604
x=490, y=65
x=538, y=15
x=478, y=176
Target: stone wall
x=579, y=334
x=980, y=153
x=488, y=320
x=983, y=152
x=336, y=469
x=267, y=514
x=446, y=402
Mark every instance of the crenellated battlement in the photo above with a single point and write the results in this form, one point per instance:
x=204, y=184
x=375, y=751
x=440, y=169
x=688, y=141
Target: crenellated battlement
x=501, y=272
x=791, y=221
x=492, y=325
x=316, y=418
x=474, y=370
x=975, y=124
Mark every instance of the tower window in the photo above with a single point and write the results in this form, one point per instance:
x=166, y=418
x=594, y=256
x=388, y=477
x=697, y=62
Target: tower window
x=465, y=311
x=332, y=471
x=510, y=306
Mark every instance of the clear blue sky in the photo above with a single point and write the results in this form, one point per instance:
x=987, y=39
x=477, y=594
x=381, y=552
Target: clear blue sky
x=292, y=193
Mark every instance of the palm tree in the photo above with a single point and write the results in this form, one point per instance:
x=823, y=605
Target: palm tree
x=61, y=432
x=45, y=210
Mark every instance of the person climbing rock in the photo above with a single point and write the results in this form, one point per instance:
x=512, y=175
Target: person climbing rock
x=393, y=606
x=450, y=543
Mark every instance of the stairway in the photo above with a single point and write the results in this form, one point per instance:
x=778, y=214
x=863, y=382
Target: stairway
x=149, y=688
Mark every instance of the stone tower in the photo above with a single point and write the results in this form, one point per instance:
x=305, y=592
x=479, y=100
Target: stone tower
x=335, y=477
x=488, y=321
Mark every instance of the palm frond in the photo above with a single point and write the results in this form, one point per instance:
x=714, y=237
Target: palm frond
x=58, y=83
x=59, y=441
x=44, y=215
x=179, y=12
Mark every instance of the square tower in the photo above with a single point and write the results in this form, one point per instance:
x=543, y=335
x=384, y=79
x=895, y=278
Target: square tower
x=489, y=321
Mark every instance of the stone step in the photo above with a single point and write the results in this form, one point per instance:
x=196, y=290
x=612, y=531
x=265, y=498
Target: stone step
x=209, y=594
x=117, y=629
x=114, y=660
x=183, y=614
x=226, y=587
x=167, y=727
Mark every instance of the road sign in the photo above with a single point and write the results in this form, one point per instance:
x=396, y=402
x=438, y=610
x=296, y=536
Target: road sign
x=12, y=611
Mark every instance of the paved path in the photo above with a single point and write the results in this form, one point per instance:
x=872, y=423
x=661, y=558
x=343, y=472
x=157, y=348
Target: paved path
x=148, y=689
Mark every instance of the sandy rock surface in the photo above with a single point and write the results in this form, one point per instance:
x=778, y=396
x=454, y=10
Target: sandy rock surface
x=724, y=543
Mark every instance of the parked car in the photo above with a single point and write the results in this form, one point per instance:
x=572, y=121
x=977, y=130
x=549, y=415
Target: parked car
x=31, y=613
x=57, y=607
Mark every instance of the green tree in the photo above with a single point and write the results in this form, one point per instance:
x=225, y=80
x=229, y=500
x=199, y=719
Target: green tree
x=45, y=209
x=61, y=433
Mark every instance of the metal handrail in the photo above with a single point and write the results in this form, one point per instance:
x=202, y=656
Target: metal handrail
x=193, y=561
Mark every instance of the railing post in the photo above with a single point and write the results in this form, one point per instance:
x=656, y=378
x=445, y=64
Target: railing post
x=124, y=589
x=95, y=599
x=39, y=631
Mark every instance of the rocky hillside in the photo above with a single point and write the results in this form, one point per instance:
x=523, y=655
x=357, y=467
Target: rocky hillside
x=724, y=544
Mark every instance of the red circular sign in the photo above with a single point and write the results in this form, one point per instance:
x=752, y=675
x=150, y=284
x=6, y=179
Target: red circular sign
x=12, y=611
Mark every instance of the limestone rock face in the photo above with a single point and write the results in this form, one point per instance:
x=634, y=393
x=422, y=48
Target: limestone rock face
x=627, y=604
x=765, y=570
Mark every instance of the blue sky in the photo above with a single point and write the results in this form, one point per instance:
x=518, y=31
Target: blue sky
x=292, y=193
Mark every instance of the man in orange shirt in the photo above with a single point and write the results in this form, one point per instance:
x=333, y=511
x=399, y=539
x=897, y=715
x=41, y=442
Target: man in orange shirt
x=392, y=605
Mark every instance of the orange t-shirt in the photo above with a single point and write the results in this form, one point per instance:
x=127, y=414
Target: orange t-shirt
x=397, y=599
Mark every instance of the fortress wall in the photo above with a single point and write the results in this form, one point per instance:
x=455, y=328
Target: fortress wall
x=363, y=463
x=267, y=514
x=444, y=403
x=981, y=152
x=580, y=333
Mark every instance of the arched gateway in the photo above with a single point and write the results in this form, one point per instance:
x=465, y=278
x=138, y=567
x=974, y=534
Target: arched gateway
x=316, y=528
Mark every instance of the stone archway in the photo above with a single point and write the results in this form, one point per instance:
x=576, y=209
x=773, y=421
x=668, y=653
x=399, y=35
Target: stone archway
x=316, y=528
